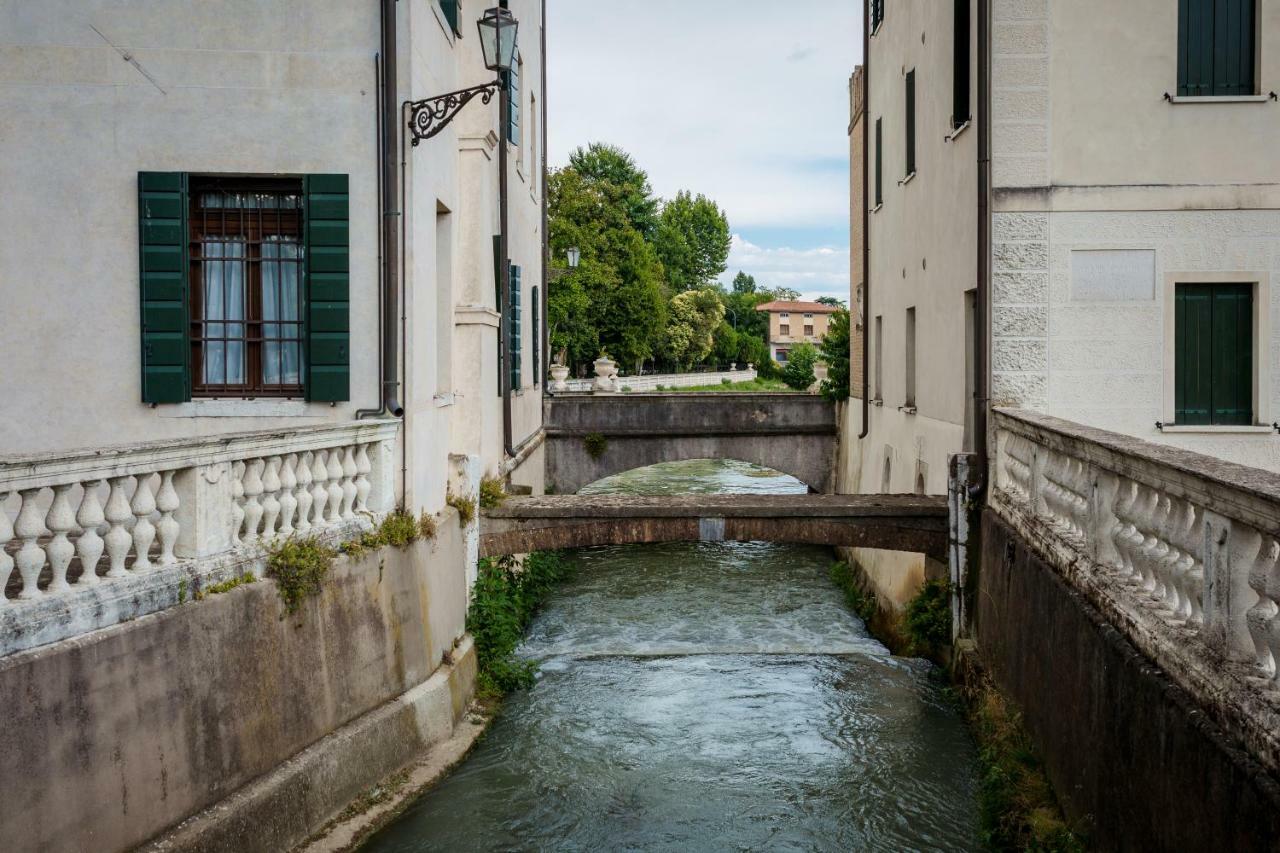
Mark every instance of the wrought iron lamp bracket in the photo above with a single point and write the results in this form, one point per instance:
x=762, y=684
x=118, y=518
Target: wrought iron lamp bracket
x=432, y=115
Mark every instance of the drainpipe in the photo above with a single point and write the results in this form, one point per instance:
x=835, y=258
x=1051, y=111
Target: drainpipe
x=982, y=300
x=545, y=339
x=504, y=265
x=380, y=409
x=389, y=243
x=866, y=220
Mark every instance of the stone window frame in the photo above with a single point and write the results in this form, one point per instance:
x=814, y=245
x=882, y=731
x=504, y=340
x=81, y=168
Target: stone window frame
x=1262, y=408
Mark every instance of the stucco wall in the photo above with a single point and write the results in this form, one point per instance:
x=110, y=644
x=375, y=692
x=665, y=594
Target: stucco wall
x=124, y=732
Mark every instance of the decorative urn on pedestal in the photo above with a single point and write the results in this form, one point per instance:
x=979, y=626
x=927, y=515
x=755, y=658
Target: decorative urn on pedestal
x=559, y=373
x=606, y=371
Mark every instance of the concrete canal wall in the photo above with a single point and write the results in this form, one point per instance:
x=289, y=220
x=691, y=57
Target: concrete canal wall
x=252, y=725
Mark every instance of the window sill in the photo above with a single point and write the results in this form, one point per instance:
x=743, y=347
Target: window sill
x=1219, y=99
x=444, y=400
x=950, y=137
x=907, y=410
x=876, y=402
x=1209, y=429
x=263, y=408
x=876, y=209
x=908, y=179
x=876, y=29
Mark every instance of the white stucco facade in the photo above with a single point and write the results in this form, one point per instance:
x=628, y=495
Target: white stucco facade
x=94, y=93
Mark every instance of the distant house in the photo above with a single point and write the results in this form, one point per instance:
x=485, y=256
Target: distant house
x=792, y=323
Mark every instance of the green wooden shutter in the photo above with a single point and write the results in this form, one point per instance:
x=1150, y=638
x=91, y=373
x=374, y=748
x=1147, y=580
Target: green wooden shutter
x=1213, y=368
x=513, y=114
x=450, y=9
x=537, y=335
x=879, y=165
x=911, y=121
x=516, y=324
x=1216, y=47
x=162, y=232
x=960, y=112
x=328, y=271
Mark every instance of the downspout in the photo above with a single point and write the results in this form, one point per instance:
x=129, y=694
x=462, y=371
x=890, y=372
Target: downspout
x=545, y=331
x=982, y=300
x=866, y=220
x=380, y=409
x=504, y=265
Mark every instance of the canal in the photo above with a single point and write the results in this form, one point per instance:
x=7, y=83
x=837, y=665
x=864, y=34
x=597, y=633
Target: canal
x=713, y=696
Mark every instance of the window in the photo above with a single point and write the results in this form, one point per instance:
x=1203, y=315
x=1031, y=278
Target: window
x=244, y=287
x=537, y=335
x=960, y=65
x=808, y=330
x=784, y=330
x=534, y=165
x=808, y=316
x=1216, y=47
x=1213, y=362
x=910, y=399
x=444, y=300
x=879, y=164
x=782, y=356
x=877, y=14
x=450, y=9
x=516, y=327
x=785, y=315
x=911, y=122
x=879, y=356
x=513, y=87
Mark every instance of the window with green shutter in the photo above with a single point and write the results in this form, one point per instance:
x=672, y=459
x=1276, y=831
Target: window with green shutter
x=450, y=9
x=1213, y=367
x=515, y=328
x=877, y=14
x=911, y=122
x=245, y=287
x=961, y=33
x=537, y=335
x=513, y=87
x=879, y=164
x=1216, y=47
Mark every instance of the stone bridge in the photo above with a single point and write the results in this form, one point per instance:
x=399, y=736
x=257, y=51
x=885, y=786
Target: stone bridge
x=591, y=437
x=890, y=522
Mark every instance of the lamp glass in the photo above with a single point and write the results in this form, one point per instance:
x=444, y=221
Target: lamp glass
x=574, y=257
x=498, y=28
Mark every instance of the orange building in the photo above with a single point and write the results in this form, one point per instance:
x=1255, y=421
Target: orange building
x=792, y=323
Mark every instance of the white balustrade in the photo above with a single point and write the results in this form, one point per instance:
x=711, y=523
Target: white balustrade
x=69, y=521
x=1193, y=540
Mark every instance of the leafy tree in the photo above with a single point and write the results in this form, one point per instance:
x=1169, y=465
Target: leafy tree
x=786, y=294
x=832, y=301
x=747, y=320
x=752, y=350
x=835, y=352
x=743, y=283
x=692, y=241
x=727, y=344
x=798, y=372
x=624, y=183
x=690, y=334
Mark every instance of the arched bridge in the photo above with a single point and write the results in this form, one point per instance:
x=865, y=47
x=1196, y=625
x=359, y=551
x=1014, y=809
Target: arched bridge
x=890, y=522
x=591, y=437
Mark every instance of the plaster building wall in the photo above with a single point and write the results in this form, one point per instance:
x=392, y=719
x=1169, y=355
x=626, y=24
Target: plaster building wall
x=1106, y=195
x=849, y=460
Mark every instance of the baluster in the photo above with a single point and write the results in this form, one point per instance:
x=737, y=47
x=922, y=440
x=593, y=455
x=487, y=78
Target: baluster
x=363, y=486
x=270, y=500
x=1180, y=560
x=1193, y=573
x=319, y=491
x=1081, y=488
x=60, y=520
x=31, y=556
x=304, y=493
x=167, y=528
x=6, y=534
x=89, y=546
x=118, y=538
x=335, y=486
x=144, y=532
x=1125, y=531
x=288, y=501
x=1264, y=580
x=237, y=502
x=1142, y=541
x=252, y=492
x=1166, y=554
x=348, y=482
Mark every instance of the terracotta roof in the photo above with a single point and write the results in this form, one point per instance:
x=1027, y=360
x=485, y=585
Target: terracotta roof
x=802, y=307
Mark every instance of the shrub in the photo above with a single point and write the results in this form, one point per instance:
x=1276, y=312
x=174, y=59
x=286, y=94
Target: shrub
x=927, y=618
x=798, y=373
x=492, y=493
x=595, y=444
x=465, y=506
x=399, y=530
x=299, y=567
x=835, y=352
x=725, y=380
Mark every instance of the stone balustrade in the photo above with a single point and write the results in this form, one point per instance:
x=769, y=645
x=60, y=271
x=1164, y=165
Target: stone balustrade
x=1180, y=551
x=75, y=525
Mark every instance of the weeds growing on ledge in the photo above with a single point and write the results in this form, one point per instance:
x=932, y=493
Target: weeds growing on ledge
x=465, y=506
x=926, y=621
x=299, y=567
x=504, y=600
x=492, y=494
x=858, y=601
x=225, y=586
x=397, y=530
x=595, y=444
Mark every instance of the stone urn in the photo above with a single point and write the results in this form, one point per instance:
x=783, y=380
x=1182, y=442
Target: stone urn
x=559, y=373
x=733, y=367
x=606, y=376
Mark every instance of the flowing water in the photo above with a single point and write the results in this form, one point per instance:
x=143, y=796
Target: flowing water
x=707, y=697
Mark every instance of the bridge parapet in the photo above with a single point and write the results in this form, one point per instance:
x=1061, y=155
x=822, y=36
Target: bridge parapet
x=1179, y=551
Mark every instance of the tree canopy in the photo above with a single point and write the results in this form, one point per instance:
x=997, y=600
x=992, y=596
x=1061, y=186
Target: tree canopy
x=692, y=241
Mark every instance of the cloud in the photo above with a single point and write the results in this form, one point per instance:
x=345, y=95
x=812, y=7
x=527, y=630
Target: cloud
x=822, y=271
x=799, y=54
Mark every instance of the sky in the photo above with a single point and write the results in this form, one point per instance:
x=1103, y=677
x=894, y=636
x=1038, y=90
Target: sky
x=745, y=101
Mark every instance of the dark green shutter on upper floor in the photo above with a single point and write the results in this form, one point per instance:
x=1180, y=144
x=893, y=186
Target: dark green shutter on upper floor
x=513, y=116
x=911, y=122
x=537, y=335
x=1216, y=47
x=162, y=231
x=515, y=333
x=879, y=176
x=327, y=254
x=1213, y=366
x=450, y=9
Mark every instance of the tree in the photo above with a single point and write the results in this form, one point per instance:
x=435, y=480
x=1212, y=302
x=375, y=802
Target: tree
x=832, y=301
x=743, y=283
x=835, y=352
x=786, y=294
x=798, y=372
x=690, y=334
x=624, y=183
x=692, y=241
x=727, y=344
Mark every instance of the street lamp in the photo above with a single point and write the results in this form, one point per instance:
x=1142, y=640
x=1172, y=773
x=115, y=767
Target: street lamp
x=498, y=29
x=574, y=256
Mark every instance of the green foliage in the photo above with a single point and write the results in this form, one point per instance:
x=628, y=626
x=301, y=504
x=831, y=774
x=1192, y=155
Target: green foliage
x=725, y=380
x=756, y=384
x=798, y=372
x=743, y=283
x=835, y=352
x=767, y=368
x=595, y=444
x=492, y=493
x=726, y=345
x=1017, y=809
x=299, y=567
x=858, y=601
x=219, y=588
x=832, y=301
x=752, y=350
x=690, y=333
x=786, y=294
x=182, y=590
x=926, y=620
x=398, y=530
x=465, y=506
x=692, y=241
x=625, y=184
x=505, y=598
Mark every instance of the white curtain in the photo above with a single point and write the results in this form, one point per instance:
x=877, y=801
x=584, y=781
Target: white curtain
x=224, y=312
x=281, y=360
